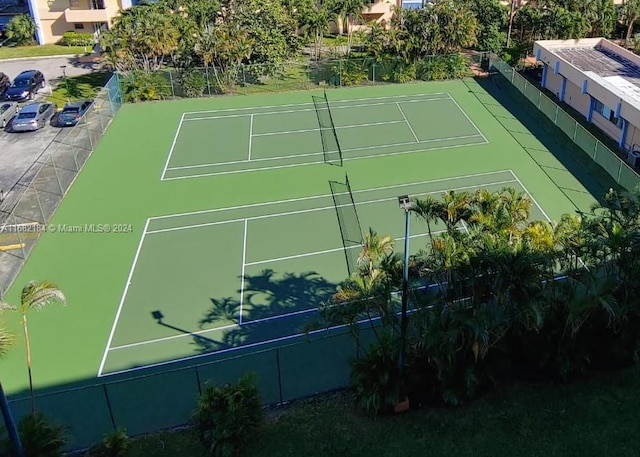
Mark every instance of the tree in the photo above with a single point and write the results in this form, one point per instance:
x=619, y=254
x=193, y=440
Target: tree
x=314, y=23
x=630, y=14
x=35, y=296
x=349, y=11
x=492, y=18
x=21, y=29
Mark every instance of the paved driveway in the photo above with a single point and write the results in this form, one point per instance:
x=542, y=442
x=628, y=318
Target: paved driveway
x=20, y=151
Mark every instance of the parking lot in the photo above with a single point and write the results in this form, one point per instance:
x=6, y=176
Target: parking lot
x=20, y=151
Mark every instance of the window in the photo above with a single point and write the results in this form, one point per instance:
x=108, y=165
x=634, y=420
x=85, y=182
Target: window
x=78, y=26
x=607, y=113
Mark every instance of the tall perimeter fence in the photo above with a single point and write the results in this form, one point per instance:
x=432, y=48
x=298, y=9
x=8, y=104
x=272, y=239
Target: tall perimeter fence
x=289, y=76
x=27, y=207
x=596, y=151
x=146, y=400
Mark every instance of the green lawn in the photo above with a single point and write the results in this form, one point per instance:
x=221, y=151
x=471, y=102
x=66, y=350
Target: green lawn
x=79, y=87
x=12, y=52
x=597, y=417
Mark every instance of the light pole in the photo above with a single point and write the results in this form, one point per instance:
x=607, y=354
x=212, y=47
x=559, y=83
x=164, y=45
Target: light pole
x=406, y=205
x=66, y=82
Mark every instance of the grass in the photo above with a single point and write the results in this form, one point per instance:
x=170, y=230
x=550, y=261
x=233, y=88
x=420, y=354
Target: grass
x=594, y=417
x=12, y=52
x=80, y=87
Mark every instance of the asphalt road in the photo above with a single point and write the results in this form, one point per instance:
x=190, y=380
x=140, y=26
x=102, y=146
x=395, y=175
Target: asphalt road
x=19, y=151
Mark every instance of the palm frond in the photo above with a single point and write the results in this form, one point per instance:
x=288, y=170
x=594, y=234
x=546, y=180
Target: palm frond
x=37, y=295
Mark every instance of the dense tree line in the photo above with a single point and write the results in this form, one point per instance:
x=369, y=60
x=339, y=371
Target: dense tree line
x=502, y=297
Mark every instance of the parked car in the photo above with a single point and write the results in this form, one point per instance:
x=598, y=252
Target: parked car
x=72, y=113
x=25, y=86
x=4, y=83
x=7, y=111
x=33, y=117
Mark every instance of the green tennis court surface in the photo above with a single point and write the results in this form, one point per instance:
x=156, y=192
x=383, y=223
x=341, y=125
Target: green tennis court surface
x=234, y=236
x=215, y=142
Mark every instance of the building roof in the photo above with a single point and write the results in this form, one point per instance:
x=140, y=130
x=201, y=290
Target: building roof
x=592, y=62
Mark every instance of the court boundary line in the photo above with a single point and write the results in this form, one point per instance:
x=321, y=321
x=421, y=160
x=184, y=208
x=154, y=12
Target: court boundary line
x=311, y=103
x=250, y=136
x=535, y=202
x=374, y=189
x=244, y=265
x=306, y=110
x=123, y=298
x=467, y=116
x=407, y=122
x=171, y=149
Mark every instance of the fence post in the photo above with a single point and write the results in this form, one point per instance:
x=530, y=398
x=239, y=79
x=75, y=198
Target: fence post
x=106, y=397
x=373, y=73
x=575, y=131
x=619, y=172
x=279, y=371
x=555, y=118
x=173, y=92
x=198, y=380
x=206, y=73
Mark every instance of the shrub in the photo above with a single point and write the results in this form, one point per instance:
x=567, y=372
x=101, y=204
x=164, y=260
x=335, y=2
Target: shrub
x=193, y=83
x=77, y=39
x=227, y=416
x=39, y=436
x=114, y=444
x=141, y=86
x=348, y=73
x=376, y=379
x=22, y=30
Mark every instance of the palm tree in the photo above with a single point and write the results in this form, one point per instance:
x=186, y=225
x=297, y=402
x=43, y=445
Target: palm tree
x=35, y=296
x=349, y=11
x=21, y=29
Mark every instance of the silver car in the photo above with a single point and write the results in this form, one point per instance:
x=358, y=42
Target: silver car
x=7, y=111
x=33, y=117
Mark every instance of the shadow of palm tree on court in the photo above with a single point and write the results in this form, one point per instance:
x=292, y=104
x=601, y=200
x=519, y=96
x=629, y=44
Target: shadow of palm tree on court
x=275, y=305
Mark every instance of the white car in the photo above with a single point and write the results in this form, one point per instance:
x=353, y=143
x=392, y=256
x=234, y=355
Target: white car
x=7, y=111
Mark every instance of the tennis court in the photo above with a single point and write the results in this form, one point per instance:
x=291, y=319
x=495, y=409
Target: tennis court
x=181, y=301
x=216, y=142
x=235, y=262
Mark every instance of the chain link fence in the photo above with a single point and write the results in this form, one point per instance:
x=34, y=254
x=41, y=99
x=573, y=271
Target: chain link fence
x=265, y=78
x=28, y=206
x=596, y=151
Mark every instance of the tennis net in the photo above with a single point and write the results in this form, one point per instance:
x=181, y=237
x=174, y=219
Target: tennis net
x=328, y=134
x=349, y=223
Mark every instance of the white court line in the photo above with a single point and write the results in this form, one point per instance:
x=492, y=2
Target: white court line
x=124, y=295
x=244, y=264
x=305, y=110
x=286, y=132
x=250, y=135
x=276, y=167
x=408, y=124
x=315, y=197
x=173, y=145
x=309, y=154
x=468, y=118
x=328, y=251
x=447, y=95
x=531, y=196
x=312, y=210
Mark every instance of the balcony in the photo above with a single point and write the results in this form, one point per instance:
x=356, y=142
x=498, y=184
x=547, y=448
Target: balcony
x=89, y=11
x=89, y=15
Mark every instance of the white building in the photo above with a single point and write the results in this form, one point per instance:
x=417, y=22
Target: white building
x=599, y=79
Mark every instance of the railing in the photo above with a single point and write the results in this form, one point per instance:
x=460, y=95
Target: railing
x=28, y=206
x=596, y=151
